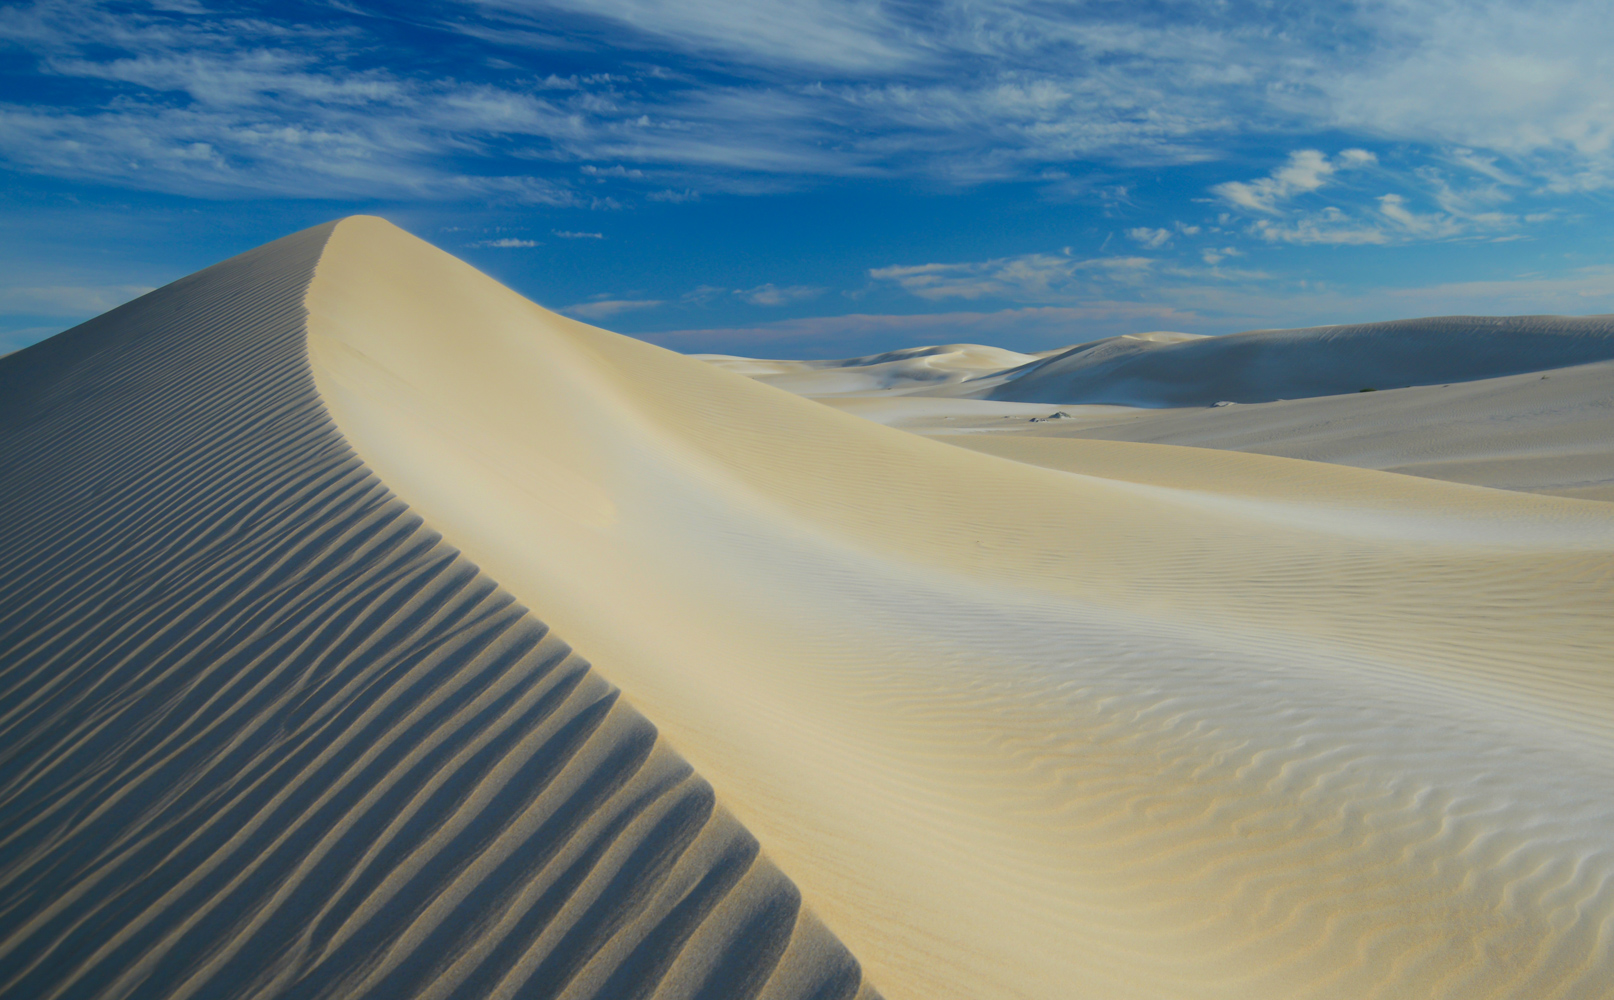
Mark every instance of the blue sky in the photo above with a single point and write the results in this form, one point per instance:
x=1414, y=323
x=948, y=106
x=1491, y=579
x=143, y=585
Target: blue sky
x=818, y=178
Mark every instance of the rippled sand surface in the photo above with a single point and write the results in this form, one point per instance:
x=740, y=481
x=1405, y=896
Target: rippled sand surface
x=1130, y=721
x=264, y=733
x=839, y=708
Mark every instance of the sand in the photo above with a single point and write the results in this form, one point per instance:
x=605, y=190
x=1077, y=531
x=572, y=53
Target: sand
x=1259, y=366
x=1549, y=432
x=1165, y=722
x=862, y=709
x=1547, y=428
x=265, y=734
x=904, y=371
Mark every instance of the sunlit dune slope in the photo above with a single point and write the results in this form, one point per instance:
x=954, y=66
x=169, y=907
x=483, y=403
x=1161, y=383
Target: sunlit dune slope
x=1261, y=365
x=264, y=734
x=906, y=370
x=1551, y=433
x=1240, y=727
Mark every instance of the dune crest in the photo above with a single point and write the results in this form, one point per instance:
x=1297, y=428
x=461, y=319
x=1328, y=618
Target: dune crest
x=265, y=734
x=1151, y=724
x=1260, y=366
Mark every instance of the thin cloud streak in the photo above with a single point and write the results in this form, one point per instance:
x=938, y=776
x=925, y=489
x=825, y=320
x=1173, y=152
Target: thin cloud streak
x=962, y=93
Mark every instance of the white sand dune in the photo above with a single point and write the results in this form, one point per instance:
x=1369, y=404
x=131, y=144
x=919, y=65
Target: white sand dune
x=264, y=734
x=901, y=371
x=1162, y=370
x=1163, y=722
x=1548, y=430
x=1080, y=719
x=1551, y=433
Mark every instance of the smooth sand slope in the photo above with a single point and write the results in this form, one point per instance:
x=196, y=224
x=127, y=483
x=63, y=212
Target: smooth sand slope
x=1546, y=433
x=1170, y=723
x=901, y=371
x=265, y=735
x=1259, y=366
x=1547, y=430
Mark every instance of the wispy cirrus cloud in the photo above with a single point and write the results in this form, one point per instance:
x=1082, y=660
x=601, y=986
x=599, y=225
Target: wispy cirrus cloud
x=606, y=308
x=1036, y=277
x=748, y=96
x=1306, y=171
x=775, y=295
x=1286, y=209
x=826, y=336
x=1191, y=147
x=1185, y=305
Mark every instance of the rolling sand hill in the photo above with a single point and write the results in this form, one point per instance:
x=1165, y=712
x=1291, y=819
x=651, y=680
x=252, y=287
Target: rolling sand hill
x=1162, y=722
x=1547, y=429
x=1159, y=370
x=1544, y=433
x=909, y=370
x=266, y=735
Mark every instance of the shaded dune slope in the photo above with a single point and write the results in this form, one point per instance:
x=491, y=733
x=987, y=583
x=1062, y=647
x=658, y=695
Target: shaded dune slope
x=1157, y=723
x=264, y=734
x=1264, y=365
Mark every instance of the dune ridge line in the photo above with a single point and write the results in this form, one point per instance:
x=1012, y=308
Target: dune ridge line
x=1228, y=726
x=265, y=734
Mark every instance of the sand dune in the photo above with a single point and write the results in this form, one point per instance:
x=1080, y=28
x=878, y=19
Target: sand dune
x=1163, y=722
x=1548, y=430
x=266, y=735
x=1550, y=433
x=1075, y=719
x=1157, y=370
x=907, y=370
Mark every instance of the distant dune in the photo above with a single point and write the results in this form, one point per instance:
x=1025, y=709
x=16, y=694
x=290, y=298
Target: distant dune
x=908, y=370
x=1264, y=365
x=1549, y=429
x=1031, y=717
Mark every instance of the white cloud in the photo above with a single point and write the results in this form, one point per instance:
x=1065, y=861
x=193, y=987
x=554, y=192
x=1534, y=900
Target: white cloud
x=1511, y=77
x=1042, y=326
x=506, y=243
x=769, y=93
x=1465, y=206
x=567, y=234
x=1426, y=226
x=1328, y=226
x=1028, y=277
x=604, y=308
x=818, y=34
x=773, y=295
x=1306, y=171
x=1151, y=239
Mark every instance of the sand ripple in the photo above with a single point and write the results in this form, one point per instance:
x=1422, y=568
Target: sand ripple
x=263, y=734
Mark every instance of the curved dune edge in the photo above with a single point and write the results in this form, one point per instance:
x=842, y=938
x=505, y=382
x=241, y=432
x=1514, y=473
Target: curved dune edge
x=1024, y=732
x=264, y=734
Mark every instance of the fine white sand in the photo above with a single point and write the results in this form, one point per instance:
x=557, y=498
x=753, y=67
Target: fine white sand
x=1545, y=430
x=910, y=370
x=264, y=734
x=1549, y=432
x=1158, y=370
x=1152, y=722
